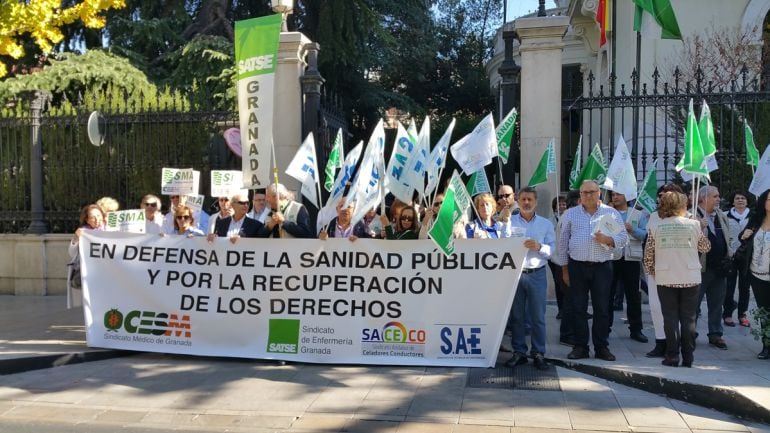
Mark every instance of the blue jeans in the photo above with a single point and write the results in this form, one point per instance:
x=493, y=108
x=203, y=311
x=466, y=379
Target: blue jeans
x=713, y=286
x=530, y=301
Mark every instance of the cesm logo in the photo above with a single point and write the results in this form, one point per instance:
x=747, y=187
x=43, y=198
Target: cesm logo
x=460, y=340
x=283, y=336
x=148, y=322
x=393, y=332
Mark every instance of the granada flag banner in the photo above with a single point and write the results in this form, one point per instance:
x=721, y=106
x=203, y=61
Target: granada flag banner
x=366, y=302
x=256, y=49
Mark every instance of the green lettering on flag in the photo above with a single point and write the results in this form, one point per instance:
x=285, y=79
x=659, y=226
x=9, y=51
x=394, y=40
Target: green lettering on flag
x=456, y=202
x=647, y=197
x=334, y=162
x=574, y=173
x=546, y=166
x=478, y=183
x=504, y=135
x=595, y=168
x=752, y=154
x=655, y=19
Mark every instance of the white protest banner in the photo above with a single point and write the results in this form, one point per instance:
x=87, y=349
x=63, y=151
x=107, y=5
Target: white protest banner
x=131, y=221
x=226, y=183
x=333, y=301
x=177, y=181
x=256, y=49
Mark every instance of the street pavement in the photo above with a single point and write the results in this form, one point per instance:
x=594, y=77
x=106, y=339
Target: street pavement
x=155, y=392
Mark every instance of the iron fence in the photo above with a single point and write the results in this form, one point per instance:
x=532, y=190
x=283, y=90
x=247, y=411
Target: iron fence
x=651, y=117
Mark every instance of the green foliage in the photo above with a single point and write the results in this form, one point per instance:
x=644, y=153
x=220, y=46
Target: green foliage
x=71, y=74
x=762, y=318
x=207, y=61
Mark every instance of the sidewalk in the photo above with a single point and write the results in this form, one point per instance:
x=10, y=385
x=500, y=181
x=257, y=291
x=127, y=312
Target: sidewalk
x=163, y=392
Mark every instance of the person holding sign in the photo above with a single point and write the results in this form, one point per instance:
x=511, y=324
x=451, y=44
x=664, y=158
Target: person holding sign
x=406, y=225
x=287, y=216
x=184, y=222
x=753, y=257
x=671, y=257
x=340, y=226
x=153, y=219
x=91, y=218
x=238, y=225
x=589, y=234
x=485, y=226
x=539, y=239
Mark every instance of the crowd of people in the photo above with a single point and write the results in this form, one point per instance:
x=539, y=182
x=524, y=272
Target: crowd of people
x=600, y=252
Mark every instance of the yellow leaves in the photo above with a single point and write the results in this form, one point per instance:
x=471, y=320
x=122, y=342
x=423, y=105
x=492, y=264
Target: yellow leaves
x=43, y=19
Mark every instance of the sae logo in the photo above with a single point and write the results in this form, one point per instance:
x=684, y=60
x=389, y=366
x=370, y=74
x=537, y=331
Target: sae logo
x=460, y=340
x=283, y=336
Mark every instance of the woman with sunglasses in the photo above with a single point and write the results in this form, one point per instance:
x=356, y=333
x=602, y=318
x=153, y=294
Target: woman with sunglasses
x=184, y=222
x=153, y=219
x=406, y=225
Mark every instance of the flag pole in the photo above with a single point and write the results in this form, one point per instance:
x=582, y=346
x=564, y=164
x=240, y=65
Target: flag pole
x=275, y=180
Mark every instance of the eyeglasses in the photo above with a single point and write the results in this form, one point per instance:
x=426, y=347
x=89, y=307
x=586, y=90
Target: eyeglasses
x=502, y=196
x=437, y=204
x=589, y=192
x=151, y=204
x=183, y=217
x=407, y=218
x=244, y=203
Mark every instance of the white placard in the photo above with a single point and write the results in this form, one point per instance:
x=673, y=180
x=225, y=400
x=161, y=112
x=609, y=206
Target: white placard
x=226, y=183
x=178, y=181
x=130, y=221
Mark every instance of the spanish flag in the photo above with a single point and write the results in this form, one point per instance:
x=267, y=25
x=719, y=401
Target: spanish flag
x=604, y=19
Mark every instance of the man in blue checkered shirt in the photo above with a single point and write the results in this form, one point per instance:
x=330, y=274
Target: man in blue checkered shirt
x=588, y=254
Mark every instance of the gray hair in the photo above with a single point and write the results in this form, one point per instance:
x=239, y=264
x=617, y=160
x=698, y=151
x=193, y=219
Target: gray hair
x=282, y=191
x=705, y=191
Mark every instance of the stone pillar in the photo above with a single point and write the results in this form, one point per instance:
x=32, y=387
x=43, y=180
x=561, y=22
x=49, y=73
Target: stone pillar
x=287, y=113
x=541, y=53
x=36, y=107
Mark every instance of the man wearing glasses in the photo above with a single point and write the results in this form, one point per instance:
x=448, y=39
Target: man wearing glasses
x=238, y=225
x=259, y=209
x=153, y=219
x=588, y=254
x=506, y=200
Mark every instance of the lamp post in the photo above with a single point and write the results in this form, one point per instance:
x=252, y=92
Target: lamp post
x=541, y=9
x=283, y=7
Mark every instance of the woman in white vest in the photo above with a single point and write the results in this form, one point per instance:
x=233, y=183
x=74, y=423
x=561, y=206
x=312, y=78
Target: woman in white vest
x=671, y=257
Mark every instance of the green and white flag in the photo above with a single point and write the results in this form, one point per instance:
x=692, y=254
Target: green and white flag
x=546, y=166
x=693, y=159
x=761, y=180
x=655, y=19
x=648, y=194
x=336, y=156
x=621, y=176
x=256, y=49
x=595, y=168
x=456, y=204
x=478, y=183
x=504, y=134
x=706, y=129
x=752, y=154
x=574, y=173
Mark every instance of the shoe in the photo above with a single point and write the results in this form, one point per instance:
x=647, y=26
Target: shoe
x=604, y=354
x=578, y=353
x=718, y=342
x=671, y=362
x=658, y=351
x=516, y=360
x=687, y=360
x=729, y=321
x=539, y=361
x=639, y=336
x=744, y=322
x=765, y=353
x=566, y=342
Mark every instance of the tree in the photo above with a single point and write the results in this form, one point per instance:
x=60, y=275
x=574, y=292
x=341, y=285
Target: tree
x=42, y=21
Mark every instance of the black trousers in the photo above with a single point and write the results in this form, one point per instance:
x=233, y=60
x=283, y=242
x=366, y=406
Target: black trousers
x=743, y=295
x=593, y=278
x=679, y=305
x=626, y=273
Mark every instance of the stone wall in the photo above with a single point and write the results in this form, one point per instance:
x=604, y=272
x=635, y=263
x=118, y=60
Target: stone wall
x=34, y=265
